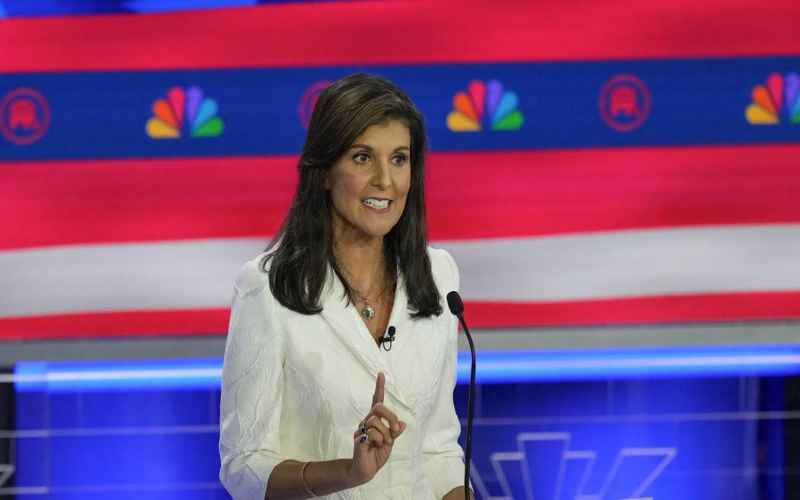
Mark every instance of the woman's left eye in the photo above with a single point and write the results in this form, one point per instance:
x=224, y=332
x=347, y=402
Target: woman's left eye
x=399, y=159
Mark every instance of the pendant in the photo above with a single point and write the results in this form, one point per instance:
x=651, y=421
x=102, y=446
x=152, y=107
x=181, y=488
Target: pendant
x=368, y=312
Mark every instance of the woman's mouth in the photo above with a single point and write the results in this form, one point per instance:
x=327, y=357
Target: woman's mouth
x=379, y=204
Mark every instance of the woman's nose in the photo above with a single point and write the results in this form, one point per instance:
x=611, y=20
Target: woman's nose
x=383, y=176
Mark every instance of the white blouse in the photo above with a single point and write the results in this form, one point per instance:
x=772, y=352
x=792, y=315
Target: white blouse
x=296, y=386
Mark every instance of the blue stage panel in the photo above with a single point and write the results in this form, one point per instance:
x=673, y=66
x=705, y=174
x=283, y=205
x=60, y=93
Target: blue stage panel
x=136, y=428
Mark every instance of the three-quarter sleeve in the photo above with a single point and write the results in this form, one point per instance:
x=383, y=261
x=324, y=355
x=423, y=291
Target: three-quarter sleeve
x=252, y=389
x=443, y=461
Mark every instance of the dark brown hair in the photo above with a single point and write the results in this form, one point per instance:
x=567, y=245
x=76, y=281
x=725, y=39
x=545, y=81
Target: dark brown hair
x=303, y=248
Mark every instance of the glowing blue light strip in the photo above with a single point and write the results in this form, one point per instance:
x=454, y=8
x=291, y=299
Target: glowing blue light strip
x=39, y=8
x=143, y=6
x=493, y=367
x=535, y=366
x=104, y=375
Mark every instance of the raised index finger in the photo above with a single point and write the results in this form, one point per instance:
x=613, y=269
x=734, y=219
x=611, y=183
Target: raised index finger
x=377, y=397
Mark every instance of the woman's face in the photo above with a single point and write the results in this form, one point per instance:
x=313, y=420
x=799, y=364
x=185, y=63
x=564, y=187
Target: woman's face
x=370, y=182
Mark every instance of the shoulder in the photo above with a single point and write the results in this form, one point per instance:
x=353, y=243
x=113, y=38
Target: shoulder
x=253, y=276
x=444, y=268
x=255, y=313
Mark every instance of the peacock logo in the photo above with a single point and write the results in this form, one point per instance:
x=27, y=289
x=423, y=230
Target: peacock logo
x=184, y=111
x=778, y=99
x=485, y=104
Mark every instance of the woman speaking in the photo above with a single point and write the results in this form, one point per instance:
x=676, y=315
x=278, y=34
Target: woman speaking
x=340, y=364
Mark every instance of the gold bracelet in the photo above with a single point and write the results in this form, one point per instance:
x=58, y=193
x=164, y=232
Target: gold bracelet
x=306, y=487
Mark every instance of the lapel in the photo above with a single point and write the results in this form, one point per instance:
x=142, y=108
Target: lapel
x=351, y=331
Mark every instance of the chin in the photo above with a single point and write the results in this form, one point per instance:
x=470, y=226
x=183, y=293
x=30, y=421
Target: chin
x=379, y=232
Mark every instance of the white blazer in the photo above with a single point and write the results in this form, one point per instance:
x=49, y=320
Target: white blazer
x=296, y=386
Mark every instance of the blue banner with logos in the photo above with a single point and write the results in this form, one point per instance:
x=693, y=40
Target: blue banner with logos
x=476, y=107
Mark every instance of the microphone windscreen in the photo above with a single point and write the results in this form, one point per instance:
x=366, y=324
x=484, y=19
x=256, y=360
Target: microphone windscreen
x=455, y=304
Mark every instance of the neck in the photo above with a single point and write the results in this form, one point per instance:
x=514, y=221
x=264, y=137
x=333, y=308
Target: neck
x=362, y=262
x=360, y=256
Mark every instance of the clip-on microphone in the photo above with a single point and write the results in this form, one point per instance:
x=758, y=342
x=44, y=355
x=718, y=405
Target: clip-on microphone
x=387, y=339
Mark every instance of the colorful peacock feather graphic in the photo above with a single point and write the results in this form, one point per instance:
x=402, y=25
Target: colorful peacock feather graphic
x=485, y=100
x=184, y=111
x=779, y=97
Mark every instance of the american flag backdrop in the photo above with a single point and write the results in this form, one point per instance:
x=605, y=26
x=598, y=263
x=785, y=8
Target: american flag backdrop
x=591, y=163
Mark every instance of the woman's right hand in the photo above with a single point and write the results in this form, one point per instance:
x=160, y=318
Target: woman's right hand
x=374, y=439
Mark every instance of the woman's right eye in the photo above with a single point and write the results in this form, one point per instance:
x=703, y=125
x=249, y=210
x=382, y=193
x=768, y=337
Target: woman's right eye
x=361, y=157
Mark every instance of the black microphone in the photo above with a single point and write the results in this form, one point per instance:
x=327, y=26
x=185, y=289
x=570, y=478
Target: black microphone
x=387, y=339
x=456, y=306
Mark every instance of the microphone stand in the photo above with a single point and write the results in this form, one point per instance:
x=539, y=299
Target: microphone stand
x=456, y=306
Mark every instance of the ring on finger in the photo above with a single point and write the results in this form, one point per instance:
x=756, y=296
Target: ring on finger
x=365, y=424
x=364, y=437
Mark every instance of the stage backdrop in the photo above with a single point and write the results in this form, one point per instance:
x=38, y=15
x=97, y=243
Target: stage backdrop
x=609, y=163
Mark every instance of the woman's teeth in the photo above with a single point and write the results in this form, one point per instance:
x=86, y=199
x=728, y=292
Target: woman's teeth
x=375, y=203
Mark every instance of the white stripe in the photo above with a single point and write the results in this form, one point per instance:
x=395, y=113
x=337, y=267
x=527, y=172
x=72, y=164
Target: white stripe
x=635, y=263
x=119, y=277
x=199, y=274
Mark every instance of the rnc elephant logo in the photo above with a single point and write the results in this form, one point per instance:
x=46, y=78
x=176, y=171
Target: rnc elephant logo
x=24, y=116
x=625, y=103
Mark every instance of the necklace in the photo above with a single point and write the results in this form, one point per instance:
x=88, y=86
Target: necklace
x=368, y=312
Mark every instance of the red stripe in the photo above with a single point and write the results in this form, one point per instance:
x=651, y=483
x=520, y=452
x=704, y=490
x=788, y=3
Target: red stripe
x=301, y=34
x=497, y=195
x=150, y=200
x=470, y=195
x=752, y=306
x=116, y=324
x=649, y=310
